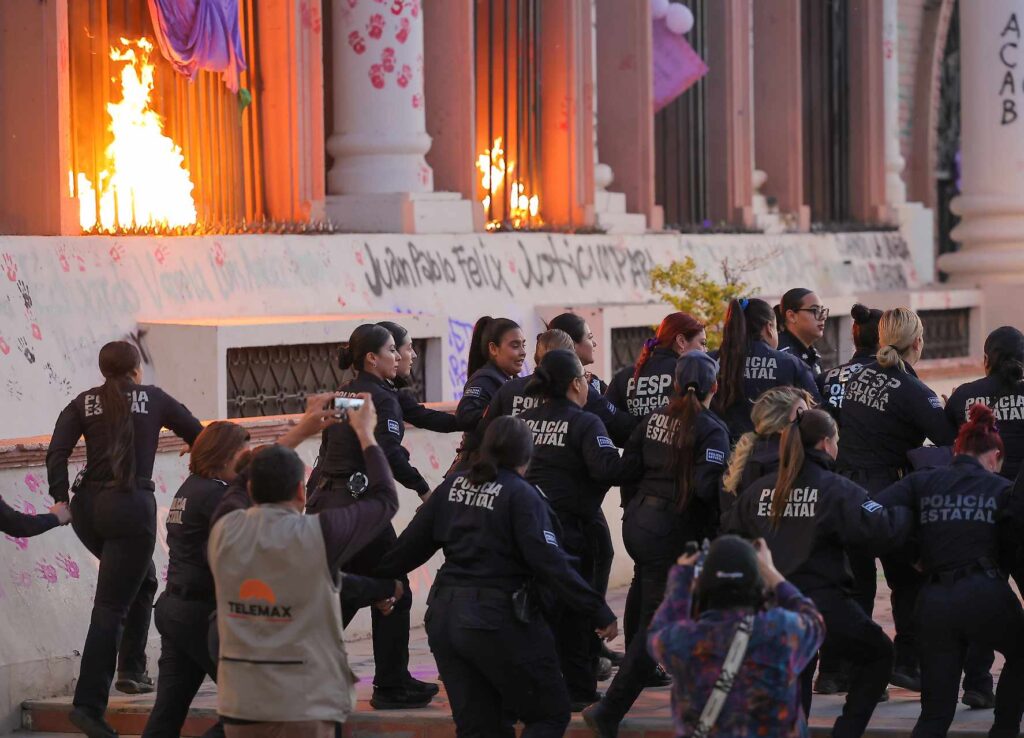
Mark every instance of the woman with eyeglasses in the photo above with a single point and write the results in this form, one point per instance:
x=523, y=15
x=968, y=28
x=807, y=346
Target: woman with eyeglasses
x=751, y=364
x=801, y=318
x=574, y=463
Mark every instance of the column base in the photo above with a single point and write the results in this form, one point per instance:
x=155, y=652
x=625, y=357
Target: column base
x=610, y=214
x=917, y=226
x=401, y=212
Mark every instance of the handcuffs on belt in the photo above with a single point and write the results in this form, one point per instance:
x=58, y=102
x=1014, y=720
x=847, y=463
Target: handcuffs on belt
x=357, y=485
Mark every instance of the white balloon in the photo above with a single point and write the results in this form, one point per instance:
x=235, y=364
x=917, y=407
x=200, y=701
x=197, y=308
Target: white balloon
x=659, y=8
x=679, y=19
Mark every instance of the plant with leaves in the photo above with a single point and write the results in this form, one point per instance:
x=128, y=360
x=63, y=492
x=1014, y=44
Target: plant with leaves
x=688, y=289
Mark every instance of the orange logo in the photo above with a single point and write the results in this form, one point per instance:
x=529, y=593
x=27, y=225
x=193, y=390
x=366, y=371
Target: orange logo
x=256, y=589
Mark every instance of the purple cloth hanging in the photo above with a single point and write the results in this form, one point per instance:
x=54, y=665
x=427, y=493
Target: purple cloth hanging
x=200, y=34
x=677, y=67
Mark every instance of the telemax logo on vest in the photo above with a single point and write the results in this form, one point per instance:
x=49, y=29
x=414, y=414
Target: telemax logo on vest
x=258, y=601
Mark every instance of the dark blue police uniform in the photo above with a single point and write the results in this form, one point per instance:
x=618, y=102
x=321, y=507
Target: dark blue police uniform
x=419, y=416
x=826, y=515
x=498, y=664
x=790, y=344
x=655, y=531
x=650, y=390
x=117, y=525
x=476, y=397
x=765, y=368
x=20, y=525
x=574, y=463
x=183, y=611
x=964, y=522
x=832, y=384
x=1008, y=409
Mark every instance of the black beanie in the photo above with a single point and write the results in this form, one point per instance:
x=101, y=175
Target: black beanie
x=731, y=565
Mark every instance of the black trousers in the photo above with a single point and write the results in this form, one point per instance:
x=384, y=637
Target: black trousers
x=185, y=661
x=495, y=669
x=576, y=643
x=865, y=587
x=977, y=609
x=390, y=633
x=119, y=527
x=853, y=637
x=605, y=553
x=654, y=541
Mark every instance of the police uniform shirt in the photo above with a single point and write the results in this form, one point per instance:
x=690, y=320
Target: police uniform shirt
x=496, y=535
x=476, y=397
x=151, y=409
x=574, y=460
x=832, y=384
x=597, y=383
x=342, y=454
x=416, y=414
x=764, y=369
x=19, y=525
x=790, y=344
x=826, y=513
x=886, y=413
x=650, y=390
x=649, y=457
x=1008, y=409
x=188, y=532
x=956, y=512
x=763, y=460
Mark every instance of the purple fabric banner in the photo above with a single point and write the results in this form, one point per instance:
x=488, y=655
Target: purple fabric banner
x=677, y=67
x=200, y=34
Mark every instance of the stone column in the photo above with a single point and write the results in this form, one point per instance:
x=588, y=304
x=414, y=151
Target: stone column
x=992, y=153
x=380, y=180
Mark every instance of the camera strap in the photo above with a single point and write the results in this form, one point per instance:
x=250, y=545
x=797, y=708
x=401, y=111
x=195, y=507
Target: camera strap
x=723, y=685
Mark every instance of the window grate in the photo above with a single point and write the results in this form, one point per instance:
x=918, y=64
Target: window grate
x=626, y=345
x=947, y=333
x=276, y=380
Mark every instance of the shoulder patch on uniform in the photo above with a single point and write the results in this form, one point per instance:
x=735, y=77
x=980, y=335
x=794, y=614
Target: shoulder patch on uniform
x=394, y=427
x=714, y=456
x=611, y=408
x=605, y=442
x=550, y=538
x=871, y=506
x=935, y=402
x=471, y=392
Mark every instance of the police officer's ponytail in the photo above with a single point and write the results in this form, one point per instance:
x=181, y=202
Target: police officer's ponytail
x=979, y=434
x=744, y=322
x=507, y=444
x=865, y=327
x=1004, y=357
x=672, y=326
x=369, y=338
x=487, y=330
x=118, y=361
x=555, y=373
x=810, y=427
x=897, y=331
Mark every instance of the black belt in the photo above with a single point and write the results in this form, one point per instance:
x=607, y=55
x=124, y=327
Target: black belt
x=354, y=483
x=892, y=473
x=191, y=593
x=951, y=576
x=450, y=592
x=658, y=503
x=100, y=484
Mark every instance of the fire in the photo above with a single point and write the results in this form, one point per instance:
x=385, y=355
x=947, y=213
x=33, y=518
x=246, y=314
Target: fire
x=523, y=208
x=145, y=182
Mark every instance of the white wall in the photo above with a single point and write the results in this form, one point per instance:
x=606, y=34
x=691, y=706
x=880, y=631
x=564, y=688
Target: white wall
x=62, y=298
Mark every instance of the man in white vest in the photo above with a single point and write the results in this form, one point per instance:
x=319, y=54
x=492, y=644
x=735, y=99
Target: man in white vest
x=282, y=671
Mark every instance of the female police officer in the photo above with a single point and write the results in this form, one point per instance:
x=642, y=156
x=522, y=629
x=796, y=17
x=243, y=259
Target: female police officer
x=801, y=318
x=751, y=364
x=679, y=452
x=495, y=653
x=809, y=516
x=865, y=345
x=888, y=412
x=114, y=515
x=412, y=409
x=959, y=513
x=341, y=480
x=574, y=463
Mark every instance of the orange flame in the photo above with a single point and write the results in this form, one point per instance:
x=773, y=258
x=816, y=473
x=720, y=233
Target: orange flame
x=145, y=182
x=523, y=209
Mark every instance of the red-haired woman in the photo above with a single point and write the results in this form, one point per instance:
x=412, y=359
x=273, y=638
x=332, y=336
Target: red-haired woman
x=643, y=388
x=966, y=524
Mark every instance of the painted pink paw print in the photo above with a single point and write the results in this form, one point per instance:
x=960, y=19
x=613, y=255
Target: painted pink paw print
x=62, y=256
x=69, y=565
x=415, y=8
x=22, y=578
x=404, y=75
x=218, y=254
x=160, y=254
x=404, y=27
x=117, y=253
x=28, y=508
x=33, y=483
x=377, y=76
x=47, y=572
x=387, y=59
x=356, y=41
x=21, y=543
x=10, y=267
x=81, y=263
x=375, y=26
x=397, y=6
x=359, y=260
x=36, y=332
x=4, y=347
x=417, y=101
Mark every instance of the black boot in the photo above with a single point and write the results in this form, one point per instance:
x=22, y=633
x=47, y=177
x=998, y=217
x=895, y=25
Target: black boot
x=92, y=725
x=597, y=719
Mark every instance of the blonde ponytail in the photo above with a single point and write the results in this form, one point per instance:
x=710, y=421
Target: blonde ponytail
x=897, y=331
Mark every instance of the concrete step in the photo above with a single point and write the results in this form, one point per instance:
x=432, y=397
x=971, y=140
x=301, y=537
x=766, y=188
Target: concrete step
x=621, y=222
x=609, y=202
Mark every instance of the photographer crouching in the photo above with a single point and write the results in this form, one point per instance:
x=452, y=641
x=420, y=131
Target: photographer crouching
x=735, y=660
